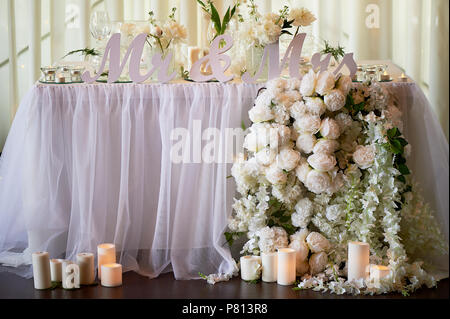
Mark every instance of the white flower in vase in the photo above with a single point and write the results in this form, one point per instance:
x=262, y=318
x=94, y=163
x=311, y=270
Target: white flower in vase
x=302, y=17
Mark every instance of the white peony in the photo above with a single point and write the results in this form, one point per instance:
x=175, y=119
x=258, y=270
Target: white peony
x=294, y=84
x=288, y=159
x=308, y=124
x=317, y=242
x=303, y=213
x=317, y=263
x=298, y=109
x=261, y=113
x=322, y=161
x=276, y=86
x=318, y=182
x=302, y=17
x=275, y=175
x=308, y=86
x=306, y=142
x=334, y=212
x=271, y=239
x=337, y=183
x=325, y=83
x=315, y=105
x=344, y=84
x=364, y=156
x=245, y=174
x=302, y=267
x=257, y=139
x=175, y=32
x=326, y=146
x=266, y=156
x=334, y=100
x=329, y=128
x=279, y=135
x=344, y=121
x=302, y=249
x=303, y=170
x=288, y=98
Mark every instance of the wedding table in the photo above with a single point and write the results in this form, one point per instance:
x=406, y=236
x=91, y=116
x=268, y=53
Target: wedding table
x=86, y=164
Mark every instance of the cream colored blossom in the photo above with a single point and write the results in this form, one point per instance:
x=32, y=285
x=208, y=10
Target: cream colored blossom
x=364, y=156
x=322, y=161
x=334, y=100
x=344, y=84
x=317, y=263
x=317, y=242
x=315, y=106
x=306, y=142
x=308, y=124
x=261, y=113
x=276, y=175
x=318, y=182
x=325, y=83
x=329, y=128
x=303, y=213
x=288, y=159
x=302, y=17
x=326, y=146
x=308, y=86
x=303, y=170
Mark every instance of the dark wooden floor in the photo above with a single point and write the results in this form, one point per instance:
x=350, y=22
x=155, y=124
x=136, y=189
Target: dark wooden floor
x=166, y=287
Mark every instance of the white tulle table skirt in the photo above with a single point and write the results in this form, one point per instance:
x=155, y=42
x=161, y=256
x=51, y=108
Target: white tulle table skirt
x=87, y=164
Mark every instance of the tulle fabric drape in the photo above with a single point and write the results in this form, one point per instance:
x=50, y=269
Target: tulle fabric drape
x=87, y=164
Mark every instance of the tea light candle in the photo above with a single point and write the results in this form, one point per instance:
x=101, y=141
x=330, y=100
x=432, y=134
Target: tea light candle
x=385, y=76
x=358, y=260
x=60, y=79
x=106, y=254
x=41, y=270
x=56, y=269
x=111, y=275
x=403, y=78
x=286, y=266
x=250, y=267
x=75, y=75
x=269, y=267
x=86, y=263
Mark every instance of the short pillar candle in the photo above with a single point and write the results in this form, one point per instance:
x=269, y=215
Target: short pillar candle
x=111, y=275
x=250, y=267
x=286, y=266
x=41, y=270
x=358, y=260
x=56, y=269
x=106, y=254
x=269, y=266
x=86, y=263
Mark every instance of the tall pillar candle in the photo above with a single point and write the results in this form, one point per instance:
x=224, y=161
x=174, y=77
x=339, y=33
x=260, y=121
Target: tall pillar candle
x=56, y=269
x=269, y=267
x=286, y=266
x=250, y=267
x=358, y=260
x=111, y=275
x=41, y=270
x=106, y=254
x=86, y=263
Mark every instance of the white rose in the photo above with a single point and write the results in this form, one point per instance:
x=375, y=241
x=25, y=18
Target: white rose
x=337, y=183
x=305, y=143
x=308, y=86
x=276, y=175
x=303, y=212
x=317, y=242
x=281, y=238
x=266, y=156
x=318, y=262
x=322, y=161
x=298, y=109
x=325, y=83
x=302, y=170
x=258, y=138
x=344, y=121
x=329, y=128
x=315, y=105
x=334, y=212
x=318, y=182
x=364, y=156
x=288, y=159
x=279, y=135
x=326, y=146
x=260, y=113
x=344, y=84
x=308, y=124
x=334, y=100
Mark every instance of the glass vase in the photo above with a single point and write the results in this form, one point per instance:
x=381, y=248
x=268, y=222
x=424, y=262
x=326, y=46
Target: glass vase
x=253, y=62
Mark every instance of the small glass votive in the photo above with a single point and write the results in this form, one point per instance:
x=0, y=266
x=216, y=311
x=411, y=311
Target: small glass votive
x=381, y=69
x=75, y=74
x=49, y=73
x=371, y=75
x=359, y=74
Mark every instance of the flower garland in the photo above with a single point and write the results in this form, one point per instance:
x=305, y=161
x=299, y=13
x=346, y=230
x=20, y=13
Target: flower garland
x=326, y=164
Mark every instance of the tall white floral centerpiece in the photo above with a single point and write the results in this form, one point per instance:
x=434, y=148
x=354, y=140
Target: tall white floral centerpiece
x=326, y=164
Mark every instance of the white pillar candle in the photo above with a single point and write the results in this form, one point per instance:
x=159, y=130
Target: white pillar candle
x=250, y=267
x=106, y=254
x=56, y=269
x=86, y=263
x=358, y=260
x=111, y=275
x=378, y=272
x=269, y=267
x=41, y=270
x=286, y=266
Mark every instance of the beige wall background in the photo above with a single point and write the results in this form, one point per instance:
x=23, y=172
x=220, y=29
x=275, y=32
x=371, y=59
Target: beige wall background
x=414, y=34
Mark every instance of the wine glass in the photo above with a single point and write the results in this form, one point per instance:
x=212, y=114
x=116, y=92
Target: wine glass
x=100, y=25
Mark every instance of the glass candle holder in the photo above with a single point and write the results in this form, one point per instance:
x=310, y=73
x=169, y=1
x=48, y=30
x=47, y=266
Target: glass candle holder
x=381, y=69
x=360, y=73
x=75, y=74
x=371, y=75
x=49, y=73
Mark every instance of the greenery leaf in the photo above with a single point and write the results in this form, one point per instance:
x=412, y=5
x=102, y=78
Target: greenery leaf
x=215, y=18
x=225, y=21
x=403, y=169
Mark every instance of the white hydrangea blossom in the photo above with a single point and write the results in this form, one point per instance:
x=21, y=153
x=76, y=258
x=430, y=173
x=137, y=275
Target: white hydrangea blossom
x=303, y=212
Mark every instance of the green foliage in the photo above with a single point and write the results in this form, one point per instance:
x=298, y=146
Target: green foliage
x=353, y=108
x=280, y=216
x=85, y=52
x=232, y=236
x=254, y=282
x=219, y=25
x=335, y=52
x=203, y=276
x=396, y=145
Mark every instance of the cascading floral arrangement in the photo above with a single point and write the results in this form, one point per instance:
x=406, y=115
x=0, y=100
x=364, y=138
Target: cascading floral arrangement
x=325, y=164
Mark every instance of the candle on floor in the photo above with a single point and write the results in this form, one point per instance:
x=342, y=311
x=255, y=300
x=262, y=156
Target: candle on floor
x=41, y=270
x=286, y=266
x=269, y=266
x=358, y=260
x=250, y=267
x=56, y=269
x=111, y=275
x=106, y=254
x=403, y=78
x=86, y=263
x=70, y=275
x=385, y=76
